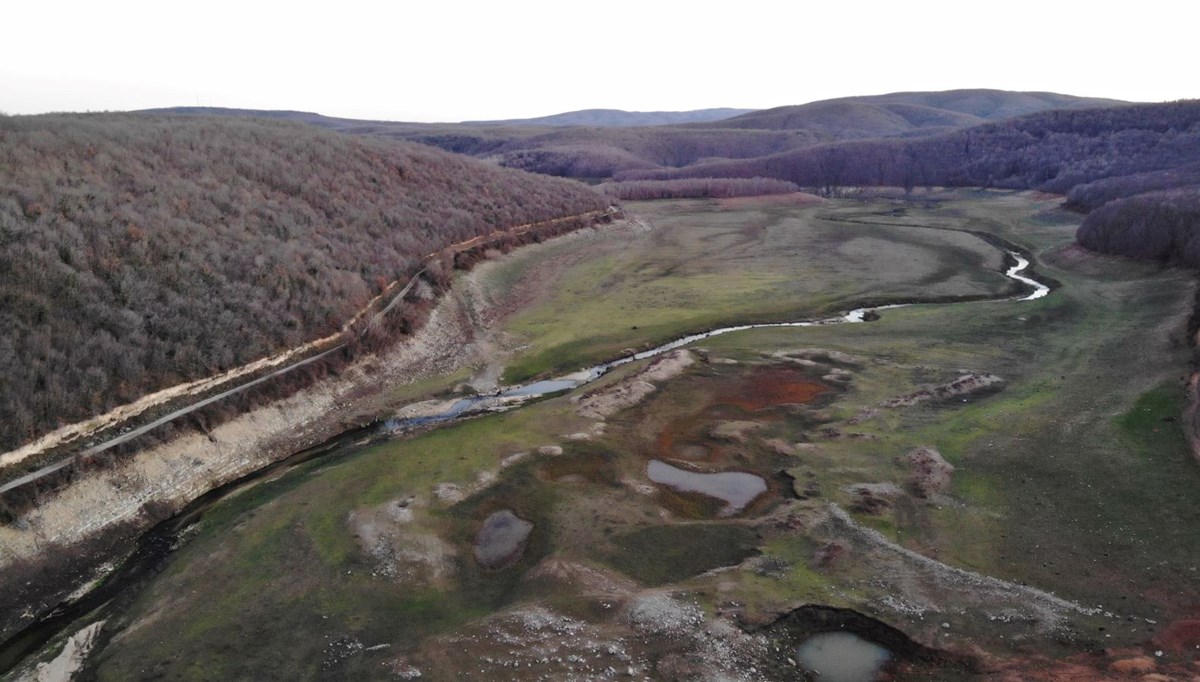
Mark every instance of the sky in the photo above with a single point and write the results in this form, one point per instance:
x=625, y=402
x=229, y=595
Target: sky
x=452, y=60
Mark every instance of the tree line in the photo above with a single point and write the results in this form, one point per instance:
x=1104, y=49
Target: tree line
x=697, y=188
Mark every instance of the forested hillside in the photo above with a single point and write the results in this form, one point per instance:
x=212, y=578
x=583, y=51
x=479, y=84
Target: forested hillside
x=1053, y=151
x=1162, y=226
x=139, y=251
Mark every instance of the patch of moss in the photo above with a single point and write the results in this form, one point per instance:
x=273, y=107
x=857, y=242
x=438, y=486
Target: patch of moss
x=658, y=555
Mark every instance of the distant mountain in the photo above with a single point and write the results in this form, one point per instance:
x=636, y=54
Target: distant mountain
x=909, y=113
x=617, y=118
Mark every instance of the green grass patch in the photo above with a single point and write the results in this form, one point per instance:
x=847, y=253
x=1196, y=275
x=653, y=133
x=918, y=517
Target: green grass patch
x=1152, y=424
x=657, y=555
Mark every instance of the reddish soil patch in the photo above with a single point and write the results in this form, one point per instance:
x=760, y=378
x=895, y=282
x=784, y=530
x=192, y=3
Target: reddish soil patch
x=689, y=438
x=1181, y=636
x=770, y=387
x=741, y=399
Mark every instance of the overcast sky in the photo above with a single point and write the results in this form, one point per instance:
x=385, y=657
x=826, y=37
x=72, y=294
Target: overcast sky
x=450, y=60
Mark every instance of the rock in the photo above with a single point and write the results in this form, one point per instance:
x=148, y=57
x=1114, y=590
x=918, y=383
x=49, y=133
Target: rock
x=604, y=402
x=838, y=376
x=873, y=498
x=782, y=447
x=821, y=355
x=962, y=388
x=72, y=657
x=733, y=430
x=930, y=472
x=830, y=554
x=550, y=450
x=448, y=492
x=501, y=540
x=513, y=459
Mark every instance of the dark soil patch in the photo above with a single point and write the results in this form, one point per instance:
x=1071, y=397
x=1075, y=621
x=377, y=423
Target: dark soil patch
x=658, y=555
x=587, y=464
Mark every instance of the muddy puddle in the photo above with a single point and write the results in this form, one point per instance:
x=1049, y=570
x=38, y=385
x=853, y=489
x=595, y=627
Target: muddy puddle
x=501, y=540
x=842, y=657
x=736, y=489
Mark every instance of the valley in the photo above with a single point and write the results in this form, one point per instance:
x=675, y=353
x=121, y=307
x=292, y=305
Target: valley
x=976, y=483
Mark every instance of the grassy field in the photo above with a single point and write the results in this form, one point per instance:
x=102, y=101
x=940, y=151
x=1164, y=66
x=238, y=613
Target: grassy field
x=1072, y=478
x=703, y=266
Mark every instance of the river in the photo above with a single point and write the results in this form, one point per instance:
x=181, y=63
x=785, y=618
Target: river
x=157, y=544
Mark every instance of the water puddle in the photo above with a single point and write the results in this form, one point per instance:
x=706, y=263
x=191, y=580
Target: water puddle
x=501, y=540
x=538, y=388
x=735, y=488
x=842, y=657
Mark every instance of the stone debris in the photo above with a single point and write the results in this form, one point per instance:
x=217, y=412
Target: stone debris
x=69, y=661
x=604, y=402
x=930, y=472
x=961, y=388
x=660, y=614
x=735, y=431
x=783, y=447
x=838, y=376
x=1033, y=612
x=813, y=356
x=515, y=458
x=396, y=550
x=449, y=492
x=873, y=498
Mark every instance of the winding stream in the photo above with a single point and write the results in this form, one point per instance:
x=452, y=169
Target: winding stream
x=157, y=544
x=515, y=395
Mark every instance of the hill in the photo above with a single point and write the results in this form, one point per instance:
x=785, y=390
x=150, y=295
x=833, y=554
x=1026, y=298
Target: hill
x=1052, y=151
x=598, y=144
x=621, y=118
x=138, y=251
x=907, y=113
